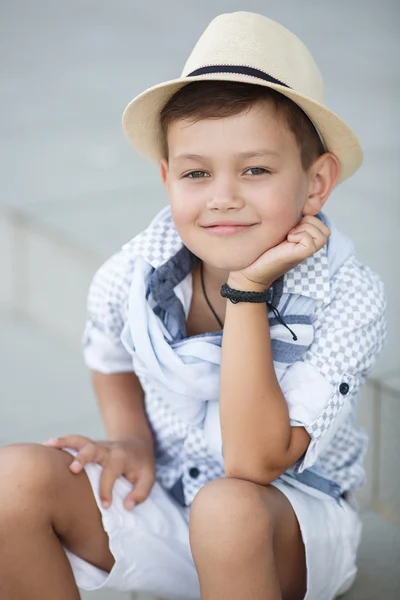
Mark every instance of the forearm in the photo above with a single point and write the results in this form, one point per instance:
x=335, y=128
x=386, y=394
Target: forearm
x=256, y=431
x=121, y=402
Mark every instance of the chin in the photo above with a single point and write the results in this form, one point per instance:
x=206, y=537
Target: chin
x=231, y=263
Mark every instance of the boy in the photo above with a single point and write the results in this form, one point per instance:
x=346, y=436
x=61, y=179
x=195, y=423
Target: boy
x=232, y=460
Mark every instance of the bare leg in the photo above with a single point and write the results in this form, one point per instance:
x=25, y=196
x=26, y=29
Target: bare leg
x=246, y=543
x=41, y=503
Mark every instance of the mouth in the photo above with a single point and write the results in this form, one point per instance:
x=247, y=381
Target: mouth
x=227, y=229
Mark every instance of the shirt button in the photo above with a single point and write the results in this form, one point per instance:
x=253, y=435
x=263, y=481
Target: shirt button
x=194, y=472
x=344, y=388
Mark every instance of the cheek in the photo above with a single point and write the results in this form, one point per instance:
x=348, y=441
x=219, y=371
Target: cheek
x=186, y=213
x=279, y=215
x=290, y=196
x=183, y=214
x=183, y=207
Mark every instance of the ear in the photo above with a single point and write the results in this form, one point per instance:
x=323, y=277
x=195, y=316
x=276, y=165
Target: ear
x=164, y=171
x=323, y=175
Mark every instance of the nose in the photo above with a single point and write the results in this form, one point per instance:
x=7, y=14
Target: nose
x=224, y=195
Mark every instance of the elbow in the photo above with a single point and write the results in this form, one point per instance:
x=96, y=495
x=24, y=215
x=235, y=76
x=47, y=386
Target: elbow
x=262, y=474
x=271, y=465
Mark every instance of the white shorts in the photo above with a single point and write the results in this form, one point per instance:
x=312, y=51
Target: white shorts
x=152, y=554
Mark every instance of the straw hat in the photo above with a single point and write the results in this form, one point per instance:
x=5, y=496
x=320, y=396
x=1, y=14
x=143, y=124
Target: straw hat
x=249, y=48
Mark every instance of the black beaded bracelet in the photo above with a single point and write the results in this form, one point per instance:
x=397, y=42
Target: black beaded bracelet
x=236, y=296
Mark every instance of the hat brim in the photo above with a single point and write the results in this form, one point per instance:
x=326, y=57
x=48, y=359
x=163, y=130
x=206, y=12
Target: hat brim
x=141, y=120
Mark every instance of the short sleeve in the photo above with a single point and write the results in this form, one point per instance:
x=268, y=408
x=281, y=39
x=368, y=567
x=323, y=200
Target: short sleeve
x=107, y=307
x=349, y=333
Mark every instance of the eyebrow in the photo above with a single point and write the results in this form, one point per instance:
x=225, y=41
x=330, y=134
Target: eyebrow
x=249, y=154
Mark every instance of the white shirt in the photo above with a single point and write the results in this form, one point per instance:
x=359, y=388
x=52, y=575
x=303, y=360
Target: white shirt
x=137, y=309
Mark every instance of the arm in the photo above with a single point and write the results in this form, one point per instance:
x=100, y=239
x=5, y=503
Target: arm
x=120, y=395
x=267, y=427
x=121, y=402
x=259, y=443
x=130, y=449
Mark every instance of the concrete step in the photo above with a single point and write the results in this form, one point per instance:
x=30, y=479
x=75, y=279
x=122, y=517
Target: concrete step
x=378, y=560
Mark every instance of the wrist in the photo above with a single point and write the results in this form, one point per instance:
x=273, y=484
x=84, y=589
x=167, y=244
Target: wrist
x=140, y=432
x=238, y=282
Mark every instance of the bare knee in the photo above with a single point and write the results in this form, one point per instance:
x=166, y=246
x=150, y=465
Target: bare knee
x=228, y=514
x=28, y=473
x=41, y=495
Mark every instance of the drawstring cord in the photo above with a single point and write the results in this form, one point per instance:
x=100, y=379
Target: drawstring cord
x=280, y=320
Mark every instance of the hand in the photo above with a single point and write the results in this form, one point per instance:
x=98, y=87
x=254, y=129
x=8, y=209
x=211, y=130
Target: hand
x=309, y=236
x=133, y=458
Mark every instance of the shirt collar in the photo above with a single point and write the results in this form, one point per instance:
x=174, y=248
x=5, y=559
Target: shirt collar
x=161, y=247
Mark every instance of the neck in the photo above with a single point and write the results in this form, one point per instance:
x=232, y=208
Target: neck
x=215, y=278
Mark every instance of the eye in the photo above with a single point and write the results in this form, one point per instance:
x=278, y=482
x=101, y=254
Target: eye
x=196, y=175
x=257, y=171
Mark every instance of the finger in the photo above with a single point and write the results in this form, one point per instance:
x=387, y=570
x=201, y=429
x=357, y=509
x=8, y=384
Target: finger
x=305, y=244
x=313, y=229
x=316, y=222
x=68, y=441
x=109, y=474
x=314, y=232
x=143, y=484
x=90, y=453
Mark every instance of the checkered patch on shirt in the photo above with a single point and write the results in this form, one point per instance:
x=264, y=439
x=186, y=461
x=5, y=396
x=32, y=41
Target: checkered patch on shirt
x=349, y=334
x=350, y=331
x=311, y=277
x=107, y=303
x=343, y=459
x=158, y=243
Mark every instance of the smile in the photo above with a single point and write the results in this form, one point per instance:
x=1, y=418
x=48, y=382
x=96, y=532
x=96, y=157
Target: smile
x=227, y=229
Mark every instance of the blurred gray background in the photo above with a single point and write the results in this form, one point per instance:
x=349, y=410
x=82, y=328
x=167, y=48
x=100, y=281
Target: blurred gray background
x=73, y=191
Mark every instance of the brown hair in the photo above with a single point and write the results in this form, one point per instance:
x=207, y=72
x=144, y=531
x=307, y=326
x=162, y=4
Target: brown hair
x=216, y=99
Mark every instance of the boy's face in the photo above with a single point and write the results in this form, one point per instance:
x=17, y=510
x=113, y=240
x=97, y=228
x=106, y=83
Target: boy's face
x=245, y=170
